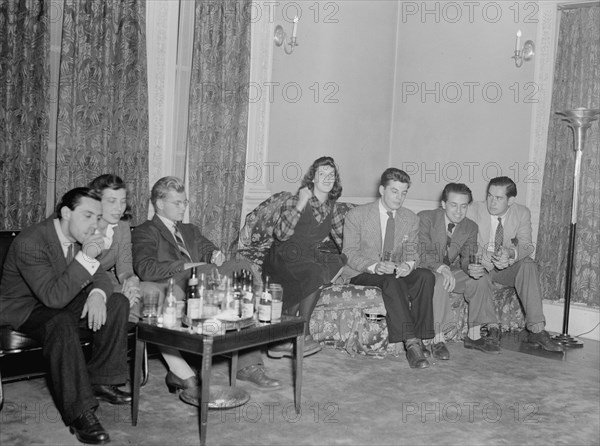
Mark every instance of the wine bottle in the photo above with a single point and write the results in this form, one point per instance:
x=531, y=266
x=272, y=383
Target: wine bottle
x=170, y=308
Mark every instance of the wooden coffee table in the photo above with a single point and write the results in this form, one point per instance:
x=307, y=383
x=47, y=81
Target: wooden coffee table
x=209, y=346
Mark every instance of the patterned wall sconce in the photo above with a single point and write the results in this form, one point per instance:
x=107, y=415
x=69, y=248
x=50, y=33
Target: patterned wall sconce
x=280, y=37
x=526, y=52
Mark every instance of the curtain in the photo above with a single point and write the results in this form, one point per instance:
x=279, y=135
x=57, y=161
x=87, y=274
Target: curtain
x=218, y=117
x=576, y=84
x=24, y=46
x=103, y=98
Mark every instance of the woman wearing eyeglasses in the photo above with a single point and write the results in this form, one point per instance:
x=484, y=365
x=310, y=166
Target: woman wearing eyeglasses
x=294, y=260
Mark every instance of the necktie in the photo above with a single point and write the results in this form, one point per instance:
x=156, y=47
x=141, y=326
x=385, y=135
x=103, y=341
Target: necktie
x=499, y=239
x=181, y=244
x=451, y=226
x=388, y=240
x=72, y=251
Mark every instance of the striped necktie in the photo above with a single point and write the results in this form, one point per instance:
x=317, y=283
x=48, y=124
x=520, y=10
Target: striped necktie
x=499, y=238
x=448, y=242
x=72, y=251
x=180, y=243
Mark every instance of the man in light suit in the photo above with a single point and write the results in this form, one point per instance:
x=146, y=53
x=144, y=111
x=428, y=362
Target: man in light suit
x=505, y=239
x=446, y=240
x=380, y=241
x=53, y=286
x=165, y=248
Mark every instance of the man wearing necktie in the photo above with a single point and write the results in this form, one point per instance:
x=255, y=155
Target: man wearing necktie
x=165, y=248
x=505, y=241
x=446, y=240
x=51, y=289
x=380, y=241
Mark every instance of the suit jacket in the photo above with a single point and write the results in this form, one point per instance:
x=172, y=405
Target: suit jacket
x=36, y=271
x=517, y=227
x=119, y=255
x=156, y=256
x=432, y=240
x=363, y=239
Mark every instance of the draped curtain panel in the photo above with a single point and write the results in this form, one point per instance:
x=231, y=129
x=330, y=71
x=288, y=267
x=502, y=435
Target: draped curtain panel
x=218, y=117
x=103, y=98
x=576, y=84
x=24, y=46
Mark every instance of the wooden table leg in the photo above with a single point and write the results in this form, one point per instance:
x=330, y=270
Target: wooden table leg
x=140, y=348
x=205, y=394
x=234, y=367
x=298, y=371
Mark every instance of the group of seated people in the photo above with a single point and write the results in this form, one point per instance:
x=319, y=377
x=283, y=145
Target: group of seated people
x=85, y=265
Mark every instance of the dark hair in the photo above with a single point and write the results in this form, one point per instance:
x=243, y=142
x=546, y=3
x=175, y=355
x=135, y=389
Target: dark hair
x=307, y=181
x=162, y=187
x=394, y=174
x=114, y=182
x=511, y=187
x=457, y=188
x=72, y=198
x=107, y=181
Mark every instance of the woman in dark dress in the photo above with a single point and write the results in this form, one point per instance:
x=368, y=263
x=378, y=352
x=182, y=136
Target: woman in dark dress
x=294, y=260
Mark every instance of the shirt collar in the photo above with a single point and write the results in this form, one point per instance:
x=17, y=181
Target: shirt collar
x=168, y=222
x=383, y=211
x=62, y=238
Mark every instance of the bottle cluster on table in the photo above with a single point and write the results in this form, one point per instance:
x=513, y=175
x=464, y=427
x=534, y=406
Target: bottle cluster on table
x=237, y=297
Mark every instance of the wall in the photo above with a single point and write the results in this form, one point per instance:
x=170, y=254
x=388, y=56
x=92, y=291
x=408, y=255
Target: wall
x=344, y=66
x=462, y=108
x=382, y=56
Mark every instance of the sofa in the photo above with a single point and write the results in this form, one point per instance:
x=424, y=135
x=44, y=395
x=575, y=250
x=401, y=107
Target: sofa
x=352, y=317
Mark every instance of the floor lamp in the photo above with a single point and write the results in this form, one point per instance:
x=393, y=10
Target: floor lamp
x=580, y=120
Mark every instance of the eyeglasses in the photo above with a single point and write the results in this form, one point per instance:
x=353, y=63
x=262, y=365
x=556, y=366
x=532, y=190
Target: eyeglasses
x=179, y=203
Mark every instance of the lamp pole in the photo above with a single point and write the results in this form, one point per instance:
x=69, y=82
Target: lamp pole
x=580, y=120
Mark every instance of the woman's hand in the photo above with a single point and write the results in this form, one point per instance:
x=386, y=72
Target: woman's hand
x=304, y=195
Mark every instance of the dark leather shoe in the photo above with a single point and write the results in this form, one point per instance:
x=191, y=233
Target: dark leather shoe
x=256, y=375
x=287, y=348
x=191, y=396
x=175, y=383
x=493, y=335
x=87, y=429
x=111, y=394
x=440, y=351
x=543, y=339
x=415, y=357
x=425, y=350
x=484, y=345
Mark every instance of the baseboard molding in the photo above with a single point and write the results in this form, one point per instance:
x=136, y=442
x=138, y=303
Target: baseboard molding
x=581, y=319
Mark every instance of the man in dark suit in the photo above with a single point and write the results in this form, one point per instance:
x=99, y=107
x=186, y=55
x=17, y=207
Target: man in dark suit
x=446, y=240
x=505, y=241
x=380, y=241
x=165, y=248
x=51, y=282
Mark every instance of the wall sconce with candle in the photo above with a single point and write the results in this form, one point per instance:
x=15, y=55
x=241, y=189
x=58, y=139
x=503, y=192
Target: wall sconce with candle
x=280, y=37
x=525, y=53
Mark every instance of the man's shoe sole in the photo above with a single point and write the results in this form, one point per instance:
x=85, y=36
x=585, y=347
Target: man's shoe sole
x=474, y=347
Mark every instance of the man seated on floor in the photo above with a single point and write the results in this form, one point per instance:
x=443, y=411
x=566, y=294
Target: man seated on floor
x=505, y=239
x=380, y=241
x=52, y=286
x=165, y=248
x=446, y=240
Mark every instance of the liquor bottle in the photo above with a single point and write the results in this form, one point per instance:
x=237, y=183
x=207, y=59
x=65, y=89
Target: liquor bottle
x=170, y=308
x=248, y=298
x=264, y=305
x=237, y=293
x=194, y=308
